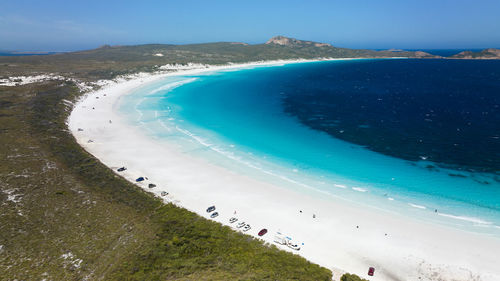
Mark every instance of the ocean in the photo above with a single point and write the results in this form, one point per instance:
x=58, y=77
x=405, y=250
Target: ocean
x=13, y=54
x=415, y=137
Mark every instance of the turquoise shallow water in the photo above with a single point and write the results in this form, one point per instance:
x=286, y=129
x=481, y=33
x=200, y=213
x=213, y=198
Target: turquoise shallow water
x=236, y=119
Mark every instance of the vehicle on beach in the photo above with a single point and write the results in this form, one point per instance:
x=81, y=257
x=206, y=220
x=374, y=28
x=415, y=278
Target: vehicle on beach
x=247, y=227
x=151, y=185
x=139, y=179
x=164, y=193
x=241, y=224
x=280, y=239
x=293, y=246
x=121, y=169
x=210, y=209
x=233, y=220
x=262, y=232
x=371, y=271
x=285, y=240
x=214, y=214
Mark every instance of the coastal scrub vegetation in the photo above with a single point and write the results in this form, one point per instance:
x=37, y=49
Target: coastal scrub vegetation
x=351, y=277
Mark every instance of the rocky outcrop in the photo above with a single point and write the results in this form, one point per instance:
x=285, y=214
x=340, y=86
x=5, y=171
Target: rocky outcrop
x=286, y=41
x=420, y=54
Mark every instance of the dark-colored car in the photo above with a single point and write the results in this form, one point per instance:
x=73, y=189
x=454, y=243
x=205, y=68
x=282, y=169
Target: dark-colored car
x=151, y=185
x=211, y=209
x=139, y=179
x=121, y=169
x=371, y=271
x=214, y=214
x=262, y=232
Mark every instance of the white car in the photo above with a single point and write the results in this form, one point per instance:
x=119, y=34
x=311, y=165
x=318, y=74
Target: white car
x=241, y=224
x=280, y=239
x=293, y=246
x=247, y=227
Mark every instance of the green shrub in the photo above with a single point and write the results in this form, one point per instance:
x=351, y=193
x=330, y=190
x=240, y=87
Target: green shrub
x=351, y=277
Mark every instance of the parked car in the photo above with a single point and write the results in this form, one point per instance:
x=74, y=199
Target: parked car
x=121, y=169
x=233, y=219
x=164, y=193
x=151, y=185
x=247, y=227
x=214, y=214
x=210, y=209
x=139, y=179
x=371, y=271
x=293, y=246
x=241, y=224
x=262, y=232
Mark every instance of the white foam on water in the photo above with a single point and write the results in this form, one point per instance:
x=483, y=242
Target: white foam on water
x=171, y=86
x=255, y=166
x=359, y=189
x=417, y=206
x=474, y=220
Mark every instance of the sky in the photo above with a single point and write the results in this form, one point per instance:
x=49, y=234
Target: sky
x=54, y=25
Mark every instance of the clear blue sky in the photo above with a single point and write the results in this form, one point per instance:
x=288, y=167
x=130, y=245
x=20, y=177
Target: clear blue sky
x=76, y=24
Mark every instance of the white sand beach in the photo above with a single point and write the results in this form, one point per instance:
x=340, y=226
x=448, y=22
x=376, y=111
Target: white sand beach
x=342, y=237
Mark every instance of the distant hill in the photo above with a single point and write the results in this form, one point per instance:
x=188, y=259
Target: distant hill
x=484, y=54
x=116, y=60
x=278, y=47
x=292, y=42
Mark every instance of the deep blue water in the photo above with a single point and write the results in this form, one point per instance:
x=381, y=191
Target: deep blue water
x=408, y=136
x=444, y=110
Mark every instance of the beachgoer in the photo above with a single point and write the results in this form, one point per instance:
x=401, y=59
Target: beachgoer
x=314, y=216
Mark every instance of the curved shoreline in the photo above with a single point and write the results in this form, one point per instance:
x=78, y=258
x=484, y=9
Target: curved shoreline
x=411, y=249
